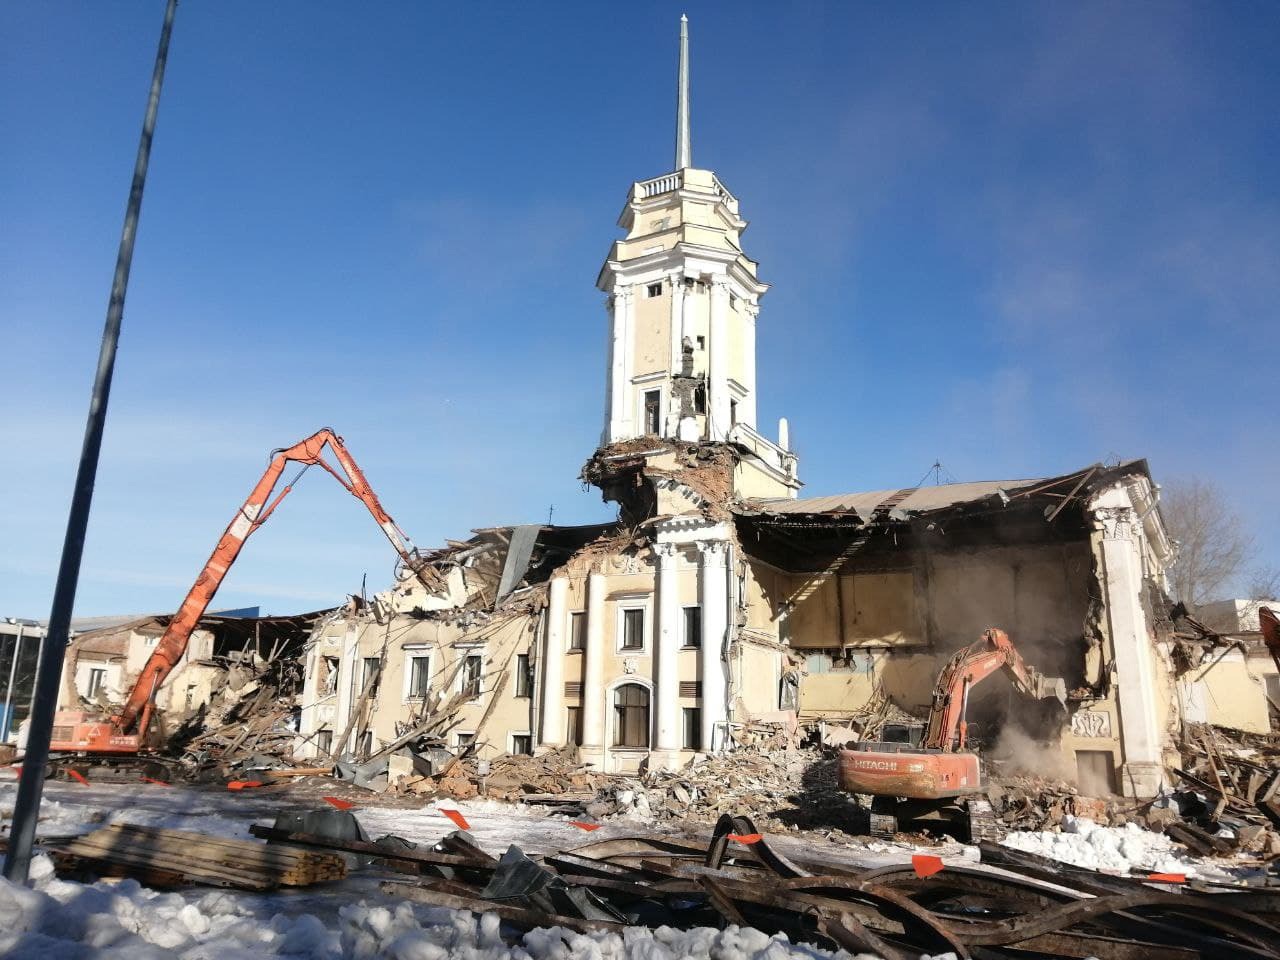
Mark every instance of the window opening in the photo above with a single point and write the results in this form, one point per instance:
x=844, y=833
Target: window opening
x=524, y=676
x=633, y=629
x=573, y=727
x=471, y=675
x=652, y=400
x=577, y=631
x=693, y=626
x=419, y=677
x=692, y=728
x=631, y=716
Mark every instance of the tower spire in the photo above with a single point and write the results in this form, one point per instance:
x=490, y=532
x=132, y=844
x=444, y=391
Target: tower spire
x=684, y=156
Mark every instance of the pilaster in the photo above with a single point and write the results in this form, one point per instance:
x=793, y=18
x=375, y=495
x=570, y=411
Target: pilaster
x=667, y=643
x=620, y=364
x=1140, y=734
x=593, y=692
x=718, y=360
x=553, y=718
x=713, y=594
x=749, y=313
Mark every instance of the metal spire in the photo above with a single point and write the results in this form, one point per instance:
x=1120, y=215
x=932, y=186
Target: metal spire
x=684, y=156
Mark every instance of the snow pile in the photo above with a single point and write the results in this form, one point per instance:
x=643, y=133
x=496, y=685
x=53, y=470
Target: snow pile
x=58, y=920
x=1111, y=849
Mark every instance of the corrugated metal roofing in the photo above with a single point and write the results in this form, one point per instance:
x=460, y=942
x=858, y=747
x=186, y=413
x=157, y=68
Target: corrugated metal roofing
x=924, y=499
x=910, y=500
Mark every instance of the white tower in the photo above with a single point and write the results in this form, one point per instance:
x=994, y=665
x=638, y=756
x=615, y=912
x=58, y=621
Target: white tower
x=683, y=300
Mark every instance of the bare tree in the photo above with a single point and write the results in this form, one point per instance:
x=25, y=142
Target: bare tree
x=1213, y=544
x=1264, y=583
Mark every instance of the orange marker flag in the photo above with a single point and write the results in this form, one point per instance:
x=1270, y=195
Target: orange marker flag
x=457, y=817
x=747, y=838
x=79, y=776
x=243, y=784
x=339, y=803
x=1168, y=877
x=581, y=825
x=926, y=865
x=158, y=783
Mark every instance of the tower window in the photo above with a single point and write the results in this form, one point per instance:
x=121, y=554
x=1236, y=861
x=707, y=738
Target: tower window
x=700, y=398
x=733, y=412
x=733, y=302
x=652, y=398
x=653, y=290
x=702, y=343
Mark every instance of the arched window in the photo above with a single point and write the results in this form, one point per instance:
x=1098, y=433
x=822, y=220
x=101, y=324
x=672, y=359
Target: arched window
x=631, y=716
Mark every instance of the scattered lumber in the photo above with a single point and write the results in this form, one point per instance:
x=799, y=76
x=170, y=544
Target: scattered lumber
x=169, y=858
x=1031, y=906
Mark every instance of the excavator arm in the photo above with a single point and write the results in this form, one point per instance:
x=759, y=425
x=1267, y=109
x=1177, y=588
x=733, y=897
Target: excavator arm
x=1269, y=624
x=252, y=514
x=971, y=665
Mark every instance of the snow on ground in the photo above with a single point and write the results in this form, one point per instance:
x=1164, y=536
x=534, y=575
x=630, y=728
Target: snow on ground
x=1127, y=849
x=122, y=920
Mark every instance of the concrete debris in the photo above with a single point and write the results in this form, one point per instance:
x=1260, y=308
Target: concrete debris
x=555, y=779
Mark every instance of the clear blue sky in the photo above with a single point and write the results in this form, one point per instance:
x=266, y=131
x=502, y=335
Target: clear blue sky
x=1018, y=238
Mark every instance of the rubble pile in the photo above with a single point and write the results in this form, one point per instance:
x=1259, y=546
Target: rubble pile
x=1041, y=803
x=1228, y=798
x=555, y=779
x=793, y=788
x=249, y=722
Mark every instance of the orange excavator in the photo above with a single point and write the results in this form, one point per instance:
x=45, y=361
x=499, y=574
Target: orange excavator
x=126, y=735
x=938, y=782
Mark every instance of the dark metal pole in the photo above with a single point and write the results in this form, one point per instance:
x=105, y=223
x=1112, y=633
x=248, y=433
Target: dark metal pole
x=53, y=646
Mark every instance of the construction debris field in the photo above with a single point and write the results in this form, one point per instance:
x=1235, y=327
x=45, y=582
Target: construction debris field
x=371, y=912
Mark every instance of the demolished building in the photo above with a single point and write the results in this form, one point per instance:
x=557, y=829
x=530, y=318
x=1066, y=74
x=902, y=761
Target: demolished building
x=719, y=596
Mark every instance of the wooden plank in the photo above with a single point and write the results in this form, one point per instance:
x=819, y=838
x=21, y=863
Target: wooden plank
x=106, y=844
x=214, y=847
x=214, y=873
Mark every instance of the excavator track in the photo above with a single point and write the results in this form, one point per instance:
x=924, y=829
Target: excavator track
x=983, y=823
x=114, y=769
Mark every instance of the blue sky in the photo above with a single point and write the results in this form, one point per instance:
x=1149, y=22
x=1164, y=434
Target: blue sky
x=1016, y=238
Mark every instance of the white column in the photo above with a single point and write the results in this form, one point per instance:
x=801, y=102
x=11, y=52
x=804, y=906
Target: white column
x=1141, y=739
x=718, y=360
x=553, y=654
x=624, y=299
x=620, y=366
x=613, y=351
x=677, y=322
x=713, y=595
x=593, y=692
x=667, y=652
x=747, y=408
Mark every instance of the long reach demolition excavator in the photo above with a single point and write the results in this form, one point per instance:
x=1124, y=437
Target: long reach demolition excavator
x=939, y=783
x=125, y=737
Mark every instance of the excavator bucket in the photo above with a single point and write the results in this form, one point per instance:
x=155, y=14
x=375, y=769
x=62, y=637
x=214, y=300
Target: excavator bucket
x=1047, y=687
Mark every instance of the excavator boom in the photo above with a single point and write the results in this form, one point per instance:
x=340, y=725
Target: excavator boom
x=123, y=732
